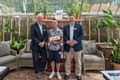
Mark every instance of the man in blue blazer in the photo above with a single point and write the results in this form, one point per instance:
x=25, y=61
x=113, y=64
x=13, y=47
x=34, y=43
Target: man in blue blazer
x=38, y=34
x=73, y=34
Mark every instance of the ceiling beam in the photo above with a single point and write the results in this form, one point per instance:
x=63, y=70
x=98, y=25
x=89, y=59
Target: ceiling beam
x=110, y=5
x=81, y=7
x=117, y=9
x=99, y=7
x=90, y=6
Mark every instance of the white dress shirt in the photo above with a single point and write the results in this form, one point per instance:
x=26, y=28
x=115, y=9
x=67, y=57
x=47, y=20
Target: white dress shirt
x=71, y=32
x=40, y=27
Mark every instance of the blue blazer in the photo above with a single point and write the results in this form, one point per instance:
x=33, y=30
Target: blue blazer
x=36, y=36
x=78, y=35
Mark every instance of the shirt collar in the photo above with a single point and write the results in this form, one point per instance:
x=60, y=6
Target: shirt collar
x=39, y=24
x=72, y=26
x=55, y=29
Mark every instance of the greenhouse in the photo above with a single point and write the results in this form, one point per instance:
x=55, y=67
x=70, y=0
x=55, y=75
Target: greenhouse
x=87, y=41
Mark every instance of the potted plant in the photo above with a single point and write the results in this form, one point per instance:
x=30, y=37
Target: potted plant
x=36, y=12
x=17, y=44
x=6, y=29
x=109, y=23
x=115, y=43
x=115, y=56
x=45, y=12
x=76, y=9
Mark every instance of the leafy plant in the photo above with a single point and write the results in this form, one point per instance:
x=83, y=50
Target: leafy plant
x=18, y=44
x=115, y=57
x=44, y=11
x=36, y=12
x=108, y=23
x=76, y=8
x=6, y=29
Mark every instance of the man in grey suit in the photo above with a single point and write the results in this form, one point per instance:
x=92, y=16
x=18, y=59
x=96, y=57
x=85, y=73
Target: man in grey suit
x=38, y=34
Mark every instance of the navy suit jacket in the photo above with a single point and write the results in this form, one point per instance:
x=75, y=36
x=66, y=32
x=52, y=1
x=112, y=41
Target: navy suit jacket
x=78, y=35
x=36, y=36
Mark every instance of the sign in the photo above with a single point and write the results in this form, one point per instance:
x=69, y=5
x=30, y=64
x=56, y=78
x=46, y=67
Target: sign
x=112, y=74
x=55, y=38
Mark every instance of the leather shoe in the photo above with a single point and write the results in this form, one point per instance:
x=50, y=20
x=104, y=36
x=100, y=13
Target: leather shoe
x=38, y=75
x=79, y=78
x=44, y=72
x=66, y=77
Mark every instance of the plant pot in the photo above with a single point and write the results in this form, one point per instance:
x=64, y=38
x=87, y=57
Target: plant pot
x=77, y=16
x=116, y=66
x=45, y=17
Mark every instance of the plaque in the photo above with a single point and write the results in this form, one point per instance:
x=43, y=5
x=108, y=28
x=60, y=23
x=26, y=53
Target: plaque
x=55, y=38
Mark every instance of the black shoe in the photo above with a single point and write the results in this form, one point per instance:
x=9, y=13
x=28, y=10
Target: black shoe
x=79, y=78
x=38, y=75
x=66, y=77
x=44, y=72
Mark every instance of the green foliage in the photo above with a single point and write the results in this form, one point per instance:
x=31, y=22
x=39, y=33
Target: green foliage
x=44, y=11
x=115, y=57
x=75, y=9
x=108, y=23
x=17, y=44
x=36, y=12
x=6, y=29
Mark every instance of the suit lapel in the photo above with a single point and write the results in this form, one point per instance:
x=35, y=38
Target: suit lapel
x=74, y=31
x=42, y=29
x=68, y=31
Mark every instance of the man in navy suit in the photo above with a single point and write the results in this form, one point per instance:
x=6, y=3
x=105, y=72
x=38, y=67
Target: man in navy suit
x=38, y=34
x=73, y=34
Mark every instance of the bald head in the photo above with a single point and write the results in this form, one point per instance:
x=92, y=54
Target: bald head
x=39, y=18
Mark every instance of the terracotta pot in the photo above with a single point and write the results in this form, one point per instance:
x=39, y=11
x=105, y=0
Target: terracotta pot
x=45, y=17
x=77, y=16
x=116, y=66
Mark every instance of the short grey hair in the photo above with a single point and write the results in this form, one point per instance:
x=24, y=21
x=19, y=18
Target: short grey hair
x=40, y=15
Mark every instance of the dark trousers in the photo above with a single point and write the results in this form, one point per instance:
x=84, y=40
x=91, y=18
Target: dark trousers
x=35, y=55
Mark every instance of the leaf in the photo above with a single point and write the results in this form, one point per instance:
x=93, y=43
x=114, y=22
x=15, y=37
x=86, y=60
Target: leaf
x=17, y=44
x=114, y=42
x=107, y=14
x=5, y=28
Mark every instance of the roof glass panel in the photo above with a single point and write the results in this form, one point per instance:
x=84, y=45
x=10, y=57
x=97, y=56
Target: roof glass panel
x=30, y=6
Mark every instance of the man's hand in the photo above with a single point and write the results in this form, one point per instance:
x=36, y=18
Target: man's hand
x=68, y=42
x=75, y=42
x=42, y=44
x=72, y=42
x=54, y=42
